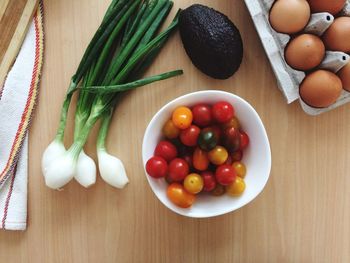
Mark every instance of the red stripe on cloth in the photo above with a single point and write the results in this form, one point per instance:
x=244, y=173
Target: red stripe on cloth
x=8, y=199
x=4, y=175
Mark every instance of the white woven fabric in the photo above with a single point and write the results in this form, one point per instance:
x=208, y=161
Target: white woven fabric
x=13, y=193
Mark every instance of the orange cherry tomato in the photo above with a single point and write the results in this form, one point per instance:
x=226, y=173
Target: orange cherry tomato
x=218, y=155
x=240, y=168
x=182, y=117
x=200, y=159
x=233, y=122
x=170, y=131
x=236, y=188
x=178, y=195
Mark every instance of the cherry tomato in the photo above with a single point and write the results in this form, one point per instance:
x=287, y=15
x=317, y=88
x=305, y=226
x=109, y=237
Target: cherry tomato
x=157, y=167
x=202, y=115
x=189, y=159
x=208, y=180
x=168, y=179
x=178, y=169
x=223, y=111
x=178, y=195
x=237, y=156
x=167, y=150
x=218, y=190
x=236, y=188
x=170, y=131
x=233, y=122
x=182, y=149
x=193, y=183
x=200, y=159
x=218, y=155
x=240, y=168
x=207, y=139
x=244, y=140
x=217, y=130
x=231, y=139
x=225, y=174
x=229, y=160
x=190, y=135
x=182, y=117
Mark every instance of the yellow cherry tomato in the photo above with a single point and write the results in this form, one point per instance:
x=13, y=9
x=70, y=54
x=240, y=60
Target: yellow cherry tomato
x=218, y=155
x=233, y=122
x=182, y=117
x=236, y=188
x=240, y=168
x=193, y=183
x=170, y=131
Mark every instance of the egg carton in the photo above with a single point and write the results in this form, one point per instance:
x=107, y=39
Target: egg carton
x=289, y=79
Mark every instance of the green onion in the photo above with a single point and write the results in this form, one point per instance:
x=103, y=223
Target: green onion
x=123, y=47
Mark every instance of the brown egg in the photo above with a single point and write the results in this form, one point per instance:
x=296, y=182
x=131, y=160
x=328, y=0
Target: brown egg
x=289, y=16
x=330, y=6
x=344, y=75
x=305, y=52
x=320, y=89
x=337, y=36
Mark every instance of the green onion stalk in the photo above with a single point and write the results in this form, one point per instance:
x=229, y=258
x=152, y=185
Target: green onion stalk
x=122, y=49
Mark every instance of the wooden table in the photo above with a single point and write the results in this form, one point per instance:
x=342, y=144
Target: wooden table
x=303, y=215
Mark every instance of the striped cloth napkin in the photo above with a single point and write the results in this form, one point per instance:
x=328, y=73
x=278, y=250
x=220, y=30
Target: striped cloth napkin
x=17, y=101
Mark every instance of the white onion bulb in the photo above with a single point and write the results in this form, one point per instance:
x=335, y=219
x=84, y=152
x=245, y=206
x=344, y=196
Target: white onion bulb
x=86, y=170
x=53, y=151
x=112, y=169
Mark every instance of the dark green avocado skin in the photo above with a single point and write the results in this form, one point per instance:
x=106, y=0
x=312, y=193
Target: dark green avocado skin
x=211, y=40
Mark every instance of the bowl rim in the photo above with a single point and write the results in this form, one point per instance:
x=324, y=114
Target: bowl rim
x=182, y=211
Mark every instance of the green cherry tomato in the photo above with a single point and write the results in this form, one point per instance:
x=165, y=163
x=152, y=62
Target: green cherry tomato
x=207, y=139
x=193, y=183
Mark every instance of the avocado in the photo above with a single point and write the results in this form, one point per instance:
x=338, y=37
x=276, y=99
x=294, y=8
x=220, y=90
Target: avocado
x=211, y=40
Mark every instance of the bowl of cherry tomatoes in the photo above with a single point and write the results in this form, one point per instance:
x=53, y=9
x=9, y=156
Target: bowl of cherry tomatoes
x=206, y=154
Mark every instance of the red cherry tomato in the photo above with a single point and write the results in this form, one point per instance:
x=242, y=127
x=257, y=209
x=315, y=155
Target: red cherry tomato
x=225, y=174
x=190, y=135
x=200, y=159
x=229, y=160
x=157, y=167
x=244, y=140
x=223, y=111
x=167, y=150
x=202, y=115
x=231, y=139
x=178, y=169
x=209, y=181
x=237, y=156
x=179, y=196
x=189, y=159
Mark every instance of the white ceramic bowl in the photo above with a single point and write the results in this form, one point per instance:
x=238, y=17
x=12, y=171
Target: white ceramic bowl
x=257, y=156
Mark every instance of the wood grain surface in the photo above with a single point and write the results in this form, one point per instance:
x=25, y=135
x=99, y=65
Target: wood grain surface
x=303, y=215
